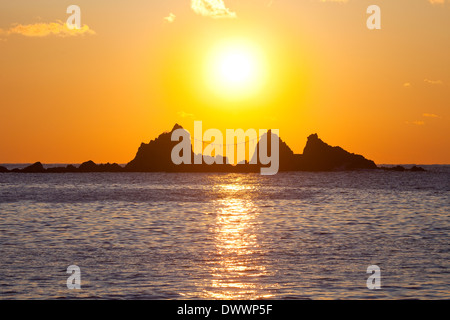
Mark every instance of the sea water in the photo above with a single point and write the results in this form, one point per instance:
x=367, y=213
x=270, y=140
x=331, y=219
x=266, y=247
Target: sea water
x=295, y=235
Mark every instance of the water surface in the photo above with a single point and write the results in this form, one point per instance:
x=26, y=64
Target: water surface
x=225, y=236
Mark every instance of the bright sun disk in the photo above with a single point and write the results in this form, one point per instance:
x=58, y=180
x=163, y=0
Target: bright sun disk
x=235, y=70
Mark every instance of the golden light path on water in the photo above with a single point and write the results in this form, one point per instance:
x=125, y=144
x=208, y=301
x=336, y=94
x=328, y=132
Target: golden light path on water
x=237, y=266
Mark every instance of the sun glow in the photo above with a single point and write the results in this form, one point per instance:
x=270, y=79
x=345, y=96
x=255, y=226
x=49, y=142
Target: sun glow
x=236, y=70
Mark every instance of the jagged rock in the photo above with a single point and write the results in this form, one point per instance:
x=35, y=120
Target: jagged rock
x=88, y=166
x=319, y=156
x=417, y=169
x=402, y=169
x=288, y=160
x=34, y=168
x=110, y=167
x=71, y=168
x=3, y=169
x=156, y=155
x=56, y=170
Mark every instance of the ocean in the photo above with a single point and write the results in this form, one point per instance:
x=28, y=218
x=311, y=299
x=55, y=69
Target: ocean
x=295, y=235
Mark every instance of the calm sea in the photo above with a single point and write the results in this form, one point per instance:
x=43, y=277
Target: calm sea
x=231, y=236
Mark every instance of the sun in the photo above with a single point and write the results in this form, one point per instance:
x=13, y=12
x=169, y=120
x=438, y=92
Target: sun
x=235, y=70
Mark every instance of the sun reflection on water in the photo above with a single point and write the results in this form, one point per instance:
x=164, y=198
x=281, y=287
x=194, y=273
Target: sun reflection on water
x=236, y=266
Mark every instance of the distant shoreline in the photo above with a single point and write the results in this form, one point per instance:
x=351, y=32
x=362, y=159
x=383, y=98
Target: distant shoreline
x=91, y=167
x=21, y=165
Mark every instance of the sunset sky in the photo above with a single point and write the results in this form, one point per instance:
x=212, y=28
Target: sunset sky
x=301, y=66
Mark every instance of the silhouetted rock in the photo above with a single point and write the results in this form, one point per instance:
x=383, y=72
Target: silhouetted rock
x=156, y=157
x=288, y=161
x=319, y=156
x=71, y=168
x=402, y=169
x=34, y=168
x=56, y=170
x=88, y=166
x=110, y=167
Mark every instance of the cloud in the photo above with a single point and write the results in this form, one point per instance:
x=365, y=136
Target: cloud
x=434, y=82
x=58, y=28
x=212, y=8
x=436, y=1
x=341, y=1
x=417, y=123
x=170, y=18
x=430, y=115
x=407, y=85
x=185, y=114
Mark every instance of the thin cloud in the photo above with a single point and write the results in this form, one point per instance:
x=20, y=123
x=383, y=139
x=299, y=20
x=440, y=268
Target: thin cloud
x=170, y=18
x=430, y=115
x=436, y=1
x=407, y=85
x=341, y=1
x=183, y=114
x=58, y=28
x=416, y=123
x=212, y=8
x=434, y=82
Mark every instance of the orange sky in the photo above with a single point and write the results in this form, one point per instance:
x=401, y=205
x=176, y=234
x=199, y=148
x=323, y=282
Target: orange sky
x=132, y=74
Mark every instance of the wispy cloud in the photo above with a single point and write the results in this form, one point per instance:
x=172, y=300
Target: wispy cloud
x=436, y=1
x=183, y=114
x=434, y=82
x=341, y=1
x=170, y=18
x=416, y=123
x=407, y=85
x=421, y=122
x=212, y=8
x=58, y=28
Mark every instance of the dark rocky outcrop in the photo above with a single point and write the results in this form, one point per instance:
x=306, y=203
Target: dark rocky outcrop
x=319, y=156
x=288, y=160
x=34, y=168
x=402, y=169
x=88, y=166
x=68, y=169
x=155, y=156
x=91, y=166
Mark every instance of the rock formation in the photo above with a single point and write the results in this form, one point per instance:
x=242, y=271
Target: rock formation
x=156, y=157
